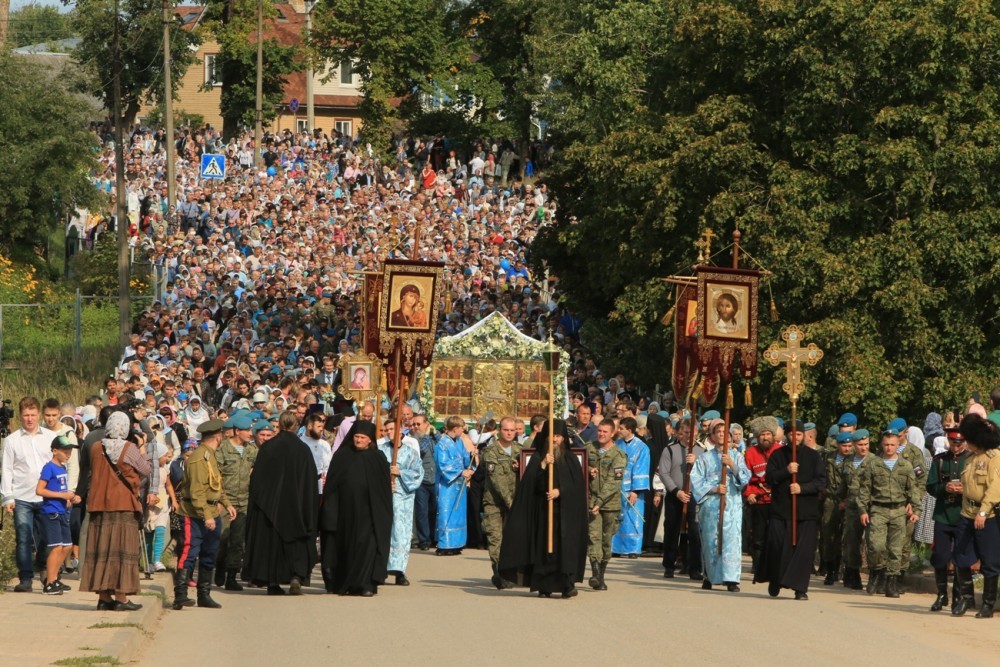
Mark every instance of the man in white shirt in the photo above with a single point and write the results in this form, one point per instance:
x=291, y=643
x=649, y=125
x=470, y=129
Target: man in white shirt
x=25, y=452
x=320, y=448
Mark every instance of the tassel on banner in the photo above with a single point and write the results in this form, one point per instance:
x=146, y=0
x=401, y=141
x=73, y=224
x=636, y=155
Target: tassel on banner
x=697, y=391
x=774, y=310
x=729, y=397
x=669, y=317
x=747, y=397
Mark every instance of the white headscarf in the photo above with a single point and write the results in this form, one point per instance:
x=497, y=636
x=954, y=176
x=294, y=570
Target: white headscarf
x=195, y=418
x=116, y=434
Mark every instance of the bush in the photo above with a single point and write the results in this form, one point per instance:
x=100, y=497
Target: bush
x=8, y=565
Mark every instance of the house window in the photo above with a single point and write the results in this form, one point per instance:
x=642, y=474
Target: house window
x=344, y=127
x=213, y=73
x=302, y=125
x=346, y=72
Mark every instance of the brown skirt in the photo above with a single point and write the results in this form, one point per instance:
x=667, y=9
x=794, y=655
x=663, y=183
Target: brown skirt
x=111, y=561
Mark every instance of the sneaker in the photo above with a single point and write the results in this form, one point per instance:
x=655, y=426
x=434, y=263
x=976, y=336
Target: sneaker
x=53, y=589
x=159, y=567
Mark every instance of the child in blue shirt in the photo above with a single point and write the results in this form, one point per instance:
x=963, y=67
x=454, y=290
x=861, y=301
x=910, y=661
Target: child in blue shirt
x=57, y=499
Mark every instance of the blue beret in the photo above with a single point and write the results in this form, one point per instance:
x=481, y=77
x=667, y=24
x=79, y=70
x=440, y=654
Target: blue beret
x=262, y=425
x=847, y=419
x=228, y=423
x=710, y=415
x=809, y=426
x=833, y=431
x=898, y=425
x=860, y=434
x=844, y=437
x=781, y=422
x=242, y=421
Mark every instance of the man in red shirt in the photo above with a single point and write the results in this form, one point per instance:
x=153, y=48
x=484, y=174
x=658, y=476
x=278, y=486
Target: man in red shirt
x=757, y=493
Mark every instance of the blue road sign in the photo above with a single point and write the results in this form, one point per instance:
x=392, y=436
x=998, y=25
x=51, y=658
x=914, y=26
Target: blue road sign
x=293, y=105
x=213, y=165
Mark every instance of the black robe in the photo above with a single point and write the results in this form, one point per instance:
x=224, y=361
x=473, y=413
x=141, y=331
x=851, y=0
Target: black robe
x=524, y=556
x=657, y=441
x=356, y=520
x=281, y=517
x=781, y=564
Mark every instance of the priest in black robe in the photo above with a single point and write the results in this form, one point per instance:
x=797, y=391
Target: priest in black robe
x=281, y=518
x=524, y=556
x=356, y=516
x=783, y=565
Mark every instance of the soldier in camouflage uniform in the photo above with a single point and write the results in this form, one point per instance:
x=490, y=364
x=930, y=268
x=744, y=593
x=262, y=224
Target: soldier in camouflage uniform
x=889, y=497
x=236, y=457
x=915, y=456
x=500, y=462
x=607, y=465
x=846, y=490
x=832, y=517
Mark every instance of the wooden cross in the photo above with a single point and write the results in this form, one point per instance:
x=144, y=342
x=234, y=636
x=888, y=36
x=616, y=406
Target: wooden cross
x=793, y=355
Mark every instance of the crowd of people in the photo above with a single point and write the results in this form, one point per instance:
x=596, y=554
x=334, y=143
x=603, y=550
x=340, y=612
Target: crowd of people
x=224, y=432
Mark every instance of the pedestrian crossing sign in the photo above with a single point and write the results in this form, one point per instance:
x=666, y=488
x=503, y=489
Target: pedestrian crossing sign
x=213, y=165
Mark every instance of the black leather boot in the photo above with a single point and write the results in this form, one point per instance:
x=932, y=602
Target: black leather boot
x=205, y=589
x=495, y=579
x=595, y=578
x=941, y=580
x=963, y=585
x=892, y=586
x=989, y=597
x=181, y=599
x=831, y=574
x=874, y=576
x=232, y=583
x=603, y=568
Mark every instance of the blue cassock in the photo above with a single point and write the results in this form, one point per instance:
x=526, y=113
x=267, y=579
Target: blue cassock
x=411, y=471
x=451, y=458
x=628, y=539
x=705, y=477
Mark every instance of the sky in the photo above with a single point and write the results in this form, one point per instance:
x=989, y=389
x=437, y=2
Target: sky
x=16, y=4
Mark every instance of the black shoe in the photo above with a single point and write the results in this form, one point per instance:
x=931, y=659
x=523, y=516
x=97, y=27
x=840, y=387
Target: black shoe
x=275, y=589
x=543, y=594
x=52, y=589
x=105, y=605
x=801, y=595
x=570, y=593
x=367, y=593
x=295, y=587
x=595, y=569
x=401, y=580
x=830, y=578
x=706, y=585
x=733, y=587
x=892, y=586
x=696, y=576
x=128, y=605
x=668, y=574
x=773, y=589
x=424, y=547
x=24, y=586
x=232, y=584
x=873, y=581
x=941, y=581
x=632, y=556
x=497, y=581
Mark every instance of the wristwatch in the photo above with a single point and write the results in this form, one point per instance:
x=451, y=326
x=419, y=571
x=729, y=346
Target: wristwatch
x=982, y=514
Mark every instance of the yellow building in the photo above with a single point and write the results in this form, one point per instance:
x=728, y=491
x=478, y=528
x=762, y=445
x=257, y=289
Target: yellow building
x=336, y=101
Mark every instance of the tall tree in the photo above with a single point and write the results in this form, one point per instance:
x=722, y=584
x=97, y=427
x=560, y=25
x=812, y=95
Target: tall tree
x=46, y=156
x=141, y=29
x=854, y=144
x=234, y=25
x=38, y=24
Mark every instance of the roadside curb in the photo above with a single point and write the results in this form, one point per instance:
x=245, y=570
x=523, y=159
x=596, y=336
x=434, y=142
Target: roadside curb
x=126, y=642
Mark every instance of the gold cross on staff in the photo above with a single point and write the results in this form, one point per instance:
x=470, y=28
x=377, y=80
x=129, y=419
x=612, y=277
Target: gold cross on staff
x=704, y=245
x=793, y=355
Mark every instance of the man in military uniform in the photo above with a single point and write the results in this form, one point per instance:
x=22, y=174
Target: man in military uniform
x=915, y=456
x=980, y=500
x=235, y=456
x=607, y=465
x=500, y=462
x=889, y=497
x=846, y=487
x=944, y=482
x=201, y=499
x=832, y=517
x=848, y=423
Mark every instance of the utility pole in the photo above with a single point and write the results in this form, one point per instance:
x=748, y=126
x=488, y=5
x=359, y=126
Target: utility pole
x=168, y=112
x=121, y=215
x=310, y=106
x=258, y=134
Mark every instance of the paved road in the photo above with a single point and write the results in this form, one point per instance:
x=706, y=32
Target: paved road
x=452, y=616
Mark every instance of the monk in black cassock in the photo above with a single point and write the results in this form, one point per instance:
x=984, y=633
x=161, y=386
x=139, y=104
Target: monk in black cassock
x=783, y=565
x=524, y=556
x=356, y=515
x=281, y=518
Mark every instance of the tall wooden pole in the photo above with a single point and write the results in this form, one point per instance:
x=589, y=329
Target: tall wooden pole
x=729, y=407
x=692, y=403
x=552, y=426
x=121, y=214
x=258, y=132
x=795, y=475
x=168, y=113
x=310, y=104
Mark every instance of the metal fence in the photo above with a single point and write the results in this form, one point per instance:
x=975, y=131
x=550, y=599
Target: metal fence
x=29, y=331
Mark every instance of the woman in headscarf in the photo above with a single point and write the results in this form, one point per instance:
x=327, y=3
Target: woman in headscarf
x=934, y=437
x=111, y=563
x=657, y=440
x=195, y=415
x=720, y=566
x=524, y=555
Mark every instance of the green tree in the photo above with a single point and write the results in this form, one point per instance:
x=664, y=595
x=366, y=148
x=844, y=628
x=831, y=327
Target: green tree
x=38, y=24
x=398, y=49
x=853, y=143
x=46, y=152
x=234, y=25
x=141, y=38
